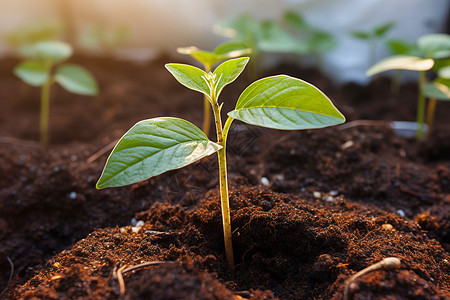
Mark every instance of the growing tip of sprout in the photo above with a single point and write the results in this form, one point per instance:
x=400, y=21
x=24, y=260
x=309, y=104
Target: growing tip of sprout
x=391, y=263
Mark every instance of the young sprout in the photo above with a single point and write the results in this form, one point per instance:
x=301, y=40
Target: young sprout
x=387, y=264
x=157, y=145
x=316, y=41
x=434, y=50
x=372, y=37
x=40, y=71
x=260, y=36
x=230, y=49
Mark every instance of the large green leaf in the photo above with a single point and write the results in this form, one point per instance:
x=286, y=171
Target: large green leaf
x=53, y=51
x=76, y=79
x=35, y=73
x=191, y=77
x=401, y=62
x=228, y=71
x=152, y=147
x=436, y=46
x=438, y=89
x=284, y=102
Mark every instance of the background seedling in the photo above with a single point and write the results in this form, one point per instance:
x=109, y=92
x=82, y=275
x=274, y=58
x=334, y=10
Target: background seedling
x=260, y=36
x=434, y=52
x=105, y=38
x=230, y=49
x=39, y=72
x=316, y=41
x=373, y=37
x=157, y=145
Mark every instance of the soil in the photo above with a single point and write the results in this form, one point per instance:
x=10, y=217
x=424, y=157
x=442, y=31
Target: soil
x=309, y=208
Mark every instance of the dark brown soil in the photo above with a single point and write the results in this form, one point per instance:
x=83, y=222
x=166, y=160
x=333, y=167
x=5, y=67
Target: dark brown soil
x=337, y=199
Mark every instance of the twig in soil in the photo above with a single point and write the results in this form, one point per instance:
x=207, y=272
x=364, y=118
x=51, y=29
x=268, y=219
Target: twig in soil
x=11, y=264
x=18, y=142
x=100, y=152
x=122, y=270
x=356, y=123
x=387, y=264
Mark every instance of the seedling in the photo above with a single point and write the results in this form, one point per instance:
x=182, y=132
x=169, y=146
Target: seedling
x=260, y=36
x=434, y=50
x=387, y=264
x=105, y=38
x=372, y=37
x=39, y=72
x=157, y=145
x=225, y=50
x=317, y=41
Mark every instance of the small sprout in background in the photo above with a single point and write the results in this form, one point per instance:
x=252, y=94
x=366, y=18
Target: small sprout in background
x=434, y=50
x=260, y=36
x=226, y=50
x=387, y=264
x=24, y=37
x=317, y=41
x=154, y=146
x=108, y=39
x=373, y=37
x=40, y=71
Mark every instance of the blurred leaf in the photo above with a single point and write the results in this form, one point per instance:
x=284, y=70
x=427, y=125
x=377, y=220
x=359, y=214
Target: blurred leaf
x=273, y=38
x=436, y=46
x=191, y=77
x=401, y=62
x=295, y=20
x=152, y=147
x=76, y=79
x=401, y=47
x=231, y=49
x=284, y=102
x=360, y=35
x=35, y=73
x=53, y=51
x=383, y=29
x=438, y=89
x=444, y=72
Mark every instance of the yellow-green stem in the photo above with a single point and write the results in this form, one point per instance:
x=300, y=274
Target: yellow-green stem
x=206, y=109
x=45, y=107
x=420, y=107
x=226, y=219
x=431, y=108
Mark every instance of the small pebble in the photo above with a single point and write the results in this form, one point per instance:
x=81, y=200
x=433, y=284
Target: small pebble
x=317, y=194
x=55, y=169
x=387, y=226
x=330, y=199
x=265, y=181
x=133, y=222
x=136, y=229
x=401, y=212
x=333, y=193
x=347, y=145
x=73, y=195
x=139, y=223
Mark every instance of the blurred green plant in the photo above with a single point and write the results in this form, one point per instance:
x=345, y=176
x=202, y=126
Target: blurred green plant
x=40, y=72
x=317, y=41
x=24, y=37
x=433, y=54
x=373, y=37
x=154, y=146
x=226, y=50
x=105, y=38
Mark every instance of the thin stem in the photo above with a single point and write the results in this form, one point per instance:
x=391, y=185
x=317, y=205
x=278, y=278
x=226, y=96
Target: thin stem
x=431, y=108
x=206, y=108
x=223, y=181
x=420, y=107
x=372, y=51
x=45, y=107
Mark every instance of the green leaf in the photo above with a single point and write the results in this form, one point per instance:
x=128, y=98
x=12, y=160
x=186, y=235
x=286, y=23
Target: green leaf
x=436, y=46
x=295, y=20
x=438, y=89
x=383, y=29
x=274, y=38
x=204, y=57
x=401, y=47
x=227, y=72
x=53, y=51
x=35, y=73
x=401, y=62
x=284, y=102
x=231, y=49
x=191, y=77
x=76, y=79
x=243, y=27
x=360, y=35
x=152, y=147
x=444, y=72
